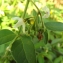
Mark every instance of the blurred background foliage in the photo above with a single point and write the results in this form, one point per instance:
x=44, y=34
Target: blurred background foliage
x=12, y=8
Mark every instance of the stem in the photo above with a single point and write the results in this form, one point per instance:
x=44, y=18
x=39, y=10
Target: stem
x=10, y=45
x=26, y=6
x=36, y=25
x=35, y=6
x=39, y=13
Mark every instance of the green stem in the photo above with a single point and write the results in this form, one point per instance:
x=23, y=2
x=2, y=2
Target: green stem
x=39, y=13
x=26, y=6
x=35, y=6
x=36, y=24
x=10, y=45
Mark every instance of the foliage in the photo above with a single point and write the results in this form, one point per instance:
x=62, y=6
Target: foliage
x=38, y=36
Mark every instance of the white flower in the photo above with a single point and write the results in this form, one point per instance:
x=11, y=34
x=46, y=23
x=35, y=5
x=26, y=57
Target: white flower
x=47, y=12
x=20, y=23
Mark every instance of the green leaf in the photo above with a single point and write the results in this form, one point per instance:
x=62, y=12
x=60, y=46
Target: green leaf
x=23, y=50
x=34, y=13
x=40, y=58
x=2, y=48
x=58, y=60
x=6, y=36
x=49, y=56
x=54, y=26
x=55, y=41
x=39, y=44
x=60, y=50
